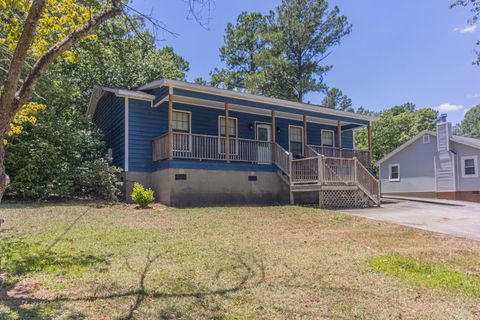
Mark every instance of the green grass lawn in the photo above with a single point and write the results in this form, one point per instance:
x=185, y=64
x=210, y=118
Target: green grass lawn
x=77, y=261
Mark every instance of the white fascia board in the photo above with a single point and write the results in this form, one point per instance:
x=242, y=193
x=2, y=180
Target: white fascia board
x=403, y=146
x=255, y=98
x=98, y=92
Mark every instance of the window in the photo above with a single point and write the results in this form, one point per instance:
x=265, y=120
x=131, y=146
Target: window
x=327, y=138
x=470, y=167
x=426, y=139
x=232, y=126
x=181, y=121
x=295, y=140
x=394, y=172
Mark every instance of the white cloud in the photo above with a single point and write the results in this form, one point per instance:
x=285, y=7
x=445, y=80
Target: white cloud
x=467, y=29
x=475, y=95
x=447, y=107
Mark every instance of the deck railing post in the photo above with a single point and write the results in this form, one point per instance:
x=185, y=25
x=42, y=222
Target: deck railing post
x=355, y=176
x=320, y=169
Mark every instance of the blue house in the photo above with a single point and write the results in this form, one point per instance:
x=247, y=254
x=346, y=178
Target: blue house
x=198, y=145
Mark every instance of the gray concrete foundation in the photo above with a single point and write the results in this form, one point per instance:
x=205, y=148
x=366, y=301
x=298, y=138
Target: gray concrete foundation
x=194, y=187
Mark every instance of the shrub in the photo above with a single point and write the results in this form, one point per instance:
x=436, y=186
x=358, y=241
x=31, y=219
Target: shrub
x=143, y=197
x=60, y=156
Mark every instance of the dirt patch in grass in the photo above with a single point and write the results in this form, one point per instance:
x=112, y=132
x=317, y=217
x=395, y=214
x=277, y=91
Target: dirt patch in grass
x=115, y=262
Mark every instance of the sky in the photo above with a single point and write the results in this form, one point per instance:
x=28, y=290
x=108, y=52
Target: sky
x=398, y=51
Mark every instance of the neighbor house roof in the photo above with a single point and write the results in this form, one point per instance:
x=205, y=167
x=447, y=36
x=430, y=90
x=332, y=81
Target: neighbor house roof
x=471, y=142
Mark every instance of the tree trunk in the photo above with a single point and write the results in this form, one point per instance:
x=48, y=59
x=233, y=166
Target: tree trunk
x=3, y=185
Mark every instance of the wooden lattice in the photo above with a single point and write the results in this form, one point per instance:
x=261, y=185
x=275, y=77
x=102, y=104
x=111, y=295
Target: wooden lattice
x=342, y=199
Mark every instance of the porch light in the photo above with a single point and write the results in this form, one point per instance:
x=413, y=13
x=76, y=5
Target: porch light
x=250, y=126
x=277, y=129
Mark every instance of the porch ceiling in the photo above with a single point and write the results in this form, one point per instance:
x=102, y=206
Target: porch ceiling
x=346, y=125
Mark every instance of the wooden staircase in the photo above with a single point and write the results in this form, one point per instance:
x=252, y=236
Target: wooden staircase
x=340, y=182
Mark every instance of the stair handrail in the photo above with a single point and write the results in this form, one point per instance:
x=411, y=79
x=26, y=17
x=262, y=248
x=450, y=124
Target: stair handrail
x=282, y=155
x=375, y=196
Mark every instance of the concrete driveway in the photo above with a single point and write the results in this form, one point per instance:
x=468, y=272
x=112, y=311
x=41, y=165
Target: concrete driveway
x=452, y=217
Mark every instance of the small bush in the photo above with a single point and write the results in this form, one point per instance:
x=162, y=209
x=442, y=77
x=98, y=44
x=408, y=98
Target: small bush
x=143, y=197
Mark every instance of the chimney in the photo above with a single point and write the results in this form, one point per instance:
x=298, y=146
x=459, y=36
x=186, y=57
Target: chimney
x=444, y=132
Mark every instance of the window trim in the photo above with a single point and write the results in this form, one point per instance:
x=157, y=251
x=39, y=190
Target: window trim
x=189, y=120
x=475, y=165
x=289, y=140
x=231, y=137
x=333, y=138
x=189, y=133
x=236, y=126
x=390, y=172
x=426, y=141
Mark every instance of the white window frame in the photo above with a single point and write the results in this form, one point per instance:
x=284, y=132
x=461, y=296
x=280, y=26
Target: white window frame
x=231, y=137
x=475, y=164
x=303, y=142
x=425, y=141
x=182, y=132
x=390, y=166
x=189, y=120
x=333, y=138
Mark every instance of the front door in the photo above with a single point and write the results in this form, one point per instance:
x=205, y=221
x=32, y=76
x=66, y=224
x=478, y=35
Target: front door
x=264, y=149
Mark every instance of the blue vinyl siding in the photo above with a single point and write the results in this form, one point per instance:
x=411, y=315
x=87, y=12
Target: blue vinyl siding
x=159, y=94
x=110, y=118
x=144, y=124
x=207, y=96
x=214, y=165
x=147, y=123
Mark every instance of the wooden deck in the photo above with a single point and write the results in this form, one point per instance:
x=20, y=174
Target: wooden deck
x=337, y=174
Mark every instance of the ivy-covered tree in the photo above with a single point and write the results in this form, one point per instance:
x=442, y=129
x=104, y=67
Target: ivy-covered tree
x=394, y=127
x=470, y=125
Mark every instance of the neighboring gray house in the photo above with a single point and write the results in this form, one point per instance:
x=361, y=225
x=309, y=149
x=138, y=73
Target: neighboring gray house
x=434, y=165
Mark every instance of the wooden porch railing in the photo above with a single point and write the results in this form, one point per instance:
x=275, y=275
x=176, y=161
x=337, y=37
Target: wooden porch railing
x=160, y=148
x=335, y=171
x=362, y=155
x=206, y=147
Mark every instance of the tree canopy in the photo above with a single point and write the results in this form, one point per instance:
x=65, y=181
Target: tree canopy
x=396, y=126
x=470, y=125
x=281, y=54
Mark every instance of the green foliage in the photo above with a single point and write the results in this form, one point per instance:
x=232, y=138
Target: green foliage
x=470, y=125
x=394, y=127
x=119, y=58
x=61, y=156
x=335, y=99
x=427, y=274
x=474, y=6
x=281, y=54
x=143, y=197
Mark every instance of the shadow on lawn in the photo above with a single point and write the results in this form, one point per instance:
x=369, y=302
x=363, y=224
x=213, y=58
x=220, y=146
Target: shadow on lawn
x=250, y=270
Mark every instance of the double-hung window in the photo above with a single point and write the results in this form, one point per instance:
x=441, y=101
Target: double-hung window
x=181, y=124
x=394, y=172
x=232, y=128
x=327, y=138
x=470, y=167
x=295, y=140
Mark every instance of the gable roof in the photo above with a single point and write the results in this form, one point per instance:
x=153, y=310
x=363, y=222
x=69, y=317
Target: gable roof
x=471, y=142
x=98, y=92
x=252, y=97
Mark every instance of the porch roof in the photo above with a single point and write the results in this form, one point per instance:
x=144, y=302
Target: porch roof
x=189, y=93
